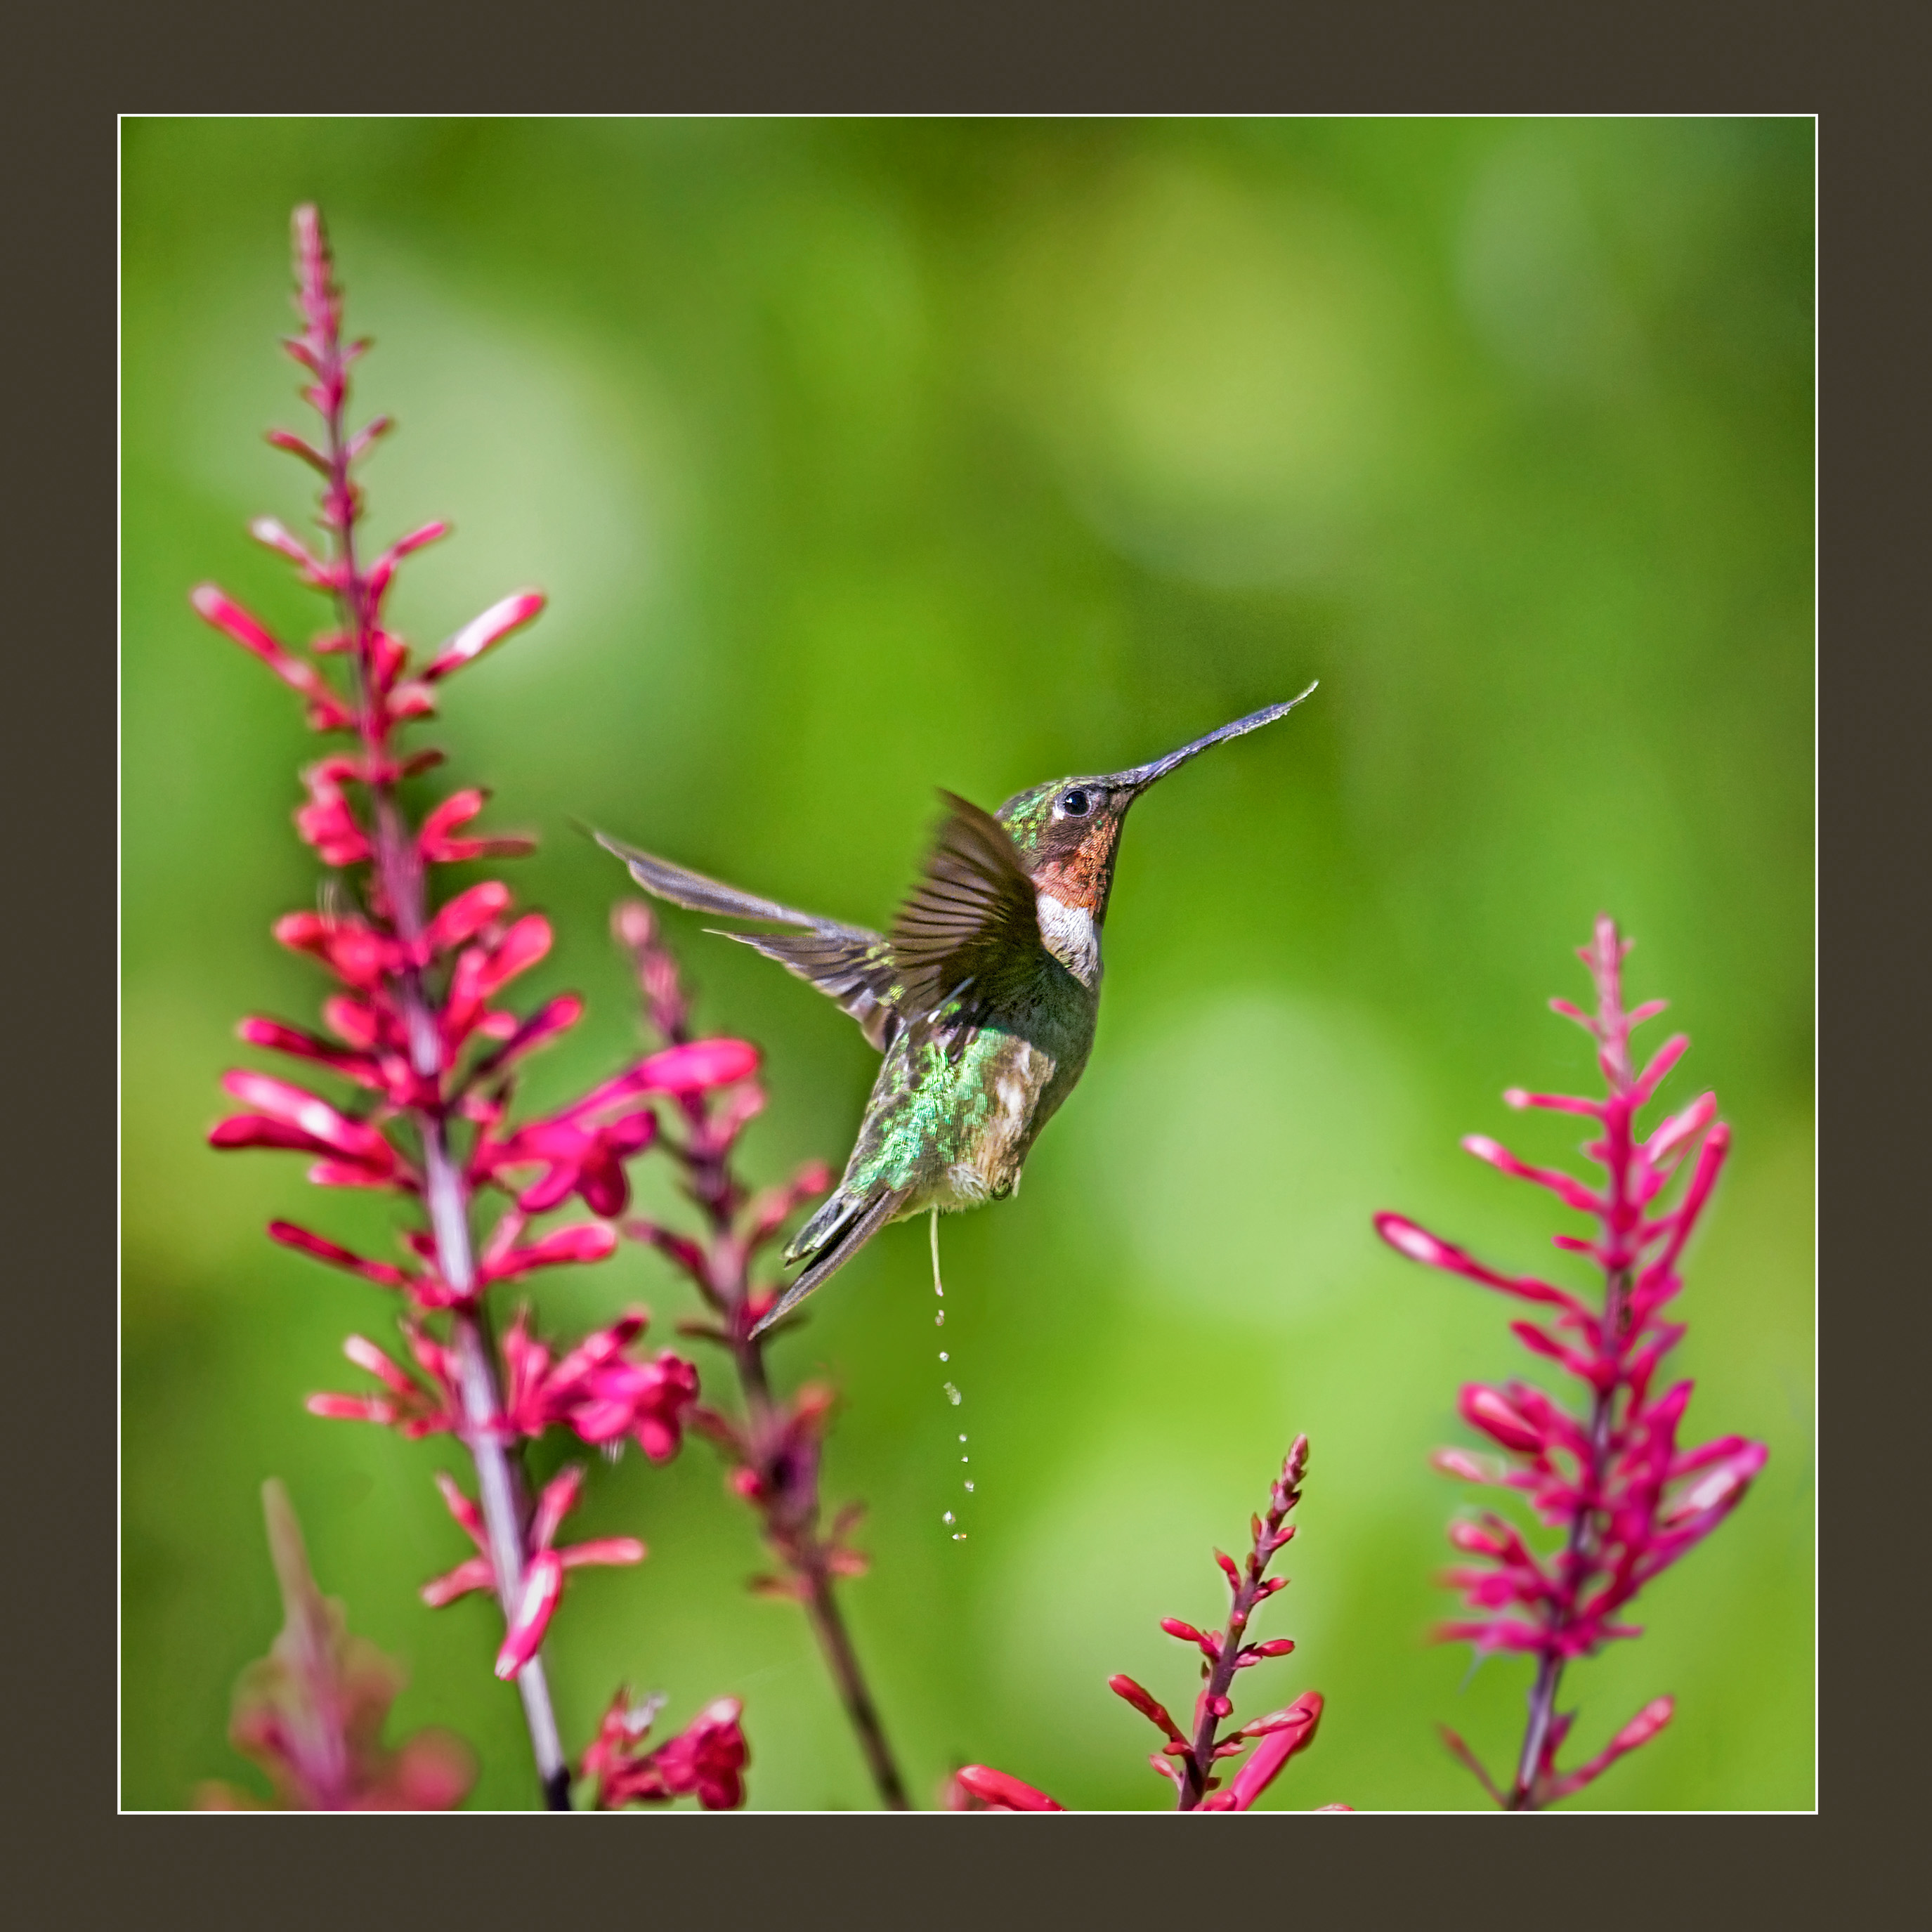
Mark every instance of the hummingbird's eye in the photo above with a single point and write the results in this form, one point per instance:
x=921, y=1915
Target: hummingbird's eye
x=1076, y=803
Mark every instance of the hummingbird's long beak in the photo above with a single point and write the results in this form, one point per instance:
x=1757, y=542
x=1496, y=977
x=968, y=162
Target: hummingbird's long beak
x=1141, y=776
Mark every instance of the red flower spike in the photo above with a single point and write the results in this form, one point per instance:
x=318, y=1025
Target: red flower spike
x=416, y=984
x=1627, y=1500
x=773, y=1457
x=1189, y=1762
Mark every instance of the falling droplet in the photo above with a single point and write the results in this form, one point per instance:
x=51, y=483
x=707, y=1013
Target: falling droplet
x=969, y=1487
x=949, y=1517
x=962, y=1439
x=939, y=1320
x=944, y=1356
x=952, y=1395
x=965, y=1458
x=959, y=1536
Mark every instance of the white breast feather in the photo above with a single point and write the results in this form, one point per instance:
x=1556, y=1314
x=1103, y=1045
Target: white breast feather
x=1071, y=936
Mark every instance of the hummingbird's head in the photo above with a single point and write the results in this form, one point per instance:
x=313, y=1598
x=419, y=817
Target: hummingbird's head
x=1068, y=829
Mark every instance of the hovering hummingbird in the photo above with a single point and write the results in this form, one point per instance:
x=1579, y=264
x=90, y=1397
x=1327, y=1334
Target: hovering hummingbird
x=982, y=997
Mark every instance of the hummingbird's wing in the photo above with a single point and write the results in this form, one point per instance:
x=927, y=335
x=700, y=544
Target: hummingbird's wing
x=851, y=964
x=974, y=917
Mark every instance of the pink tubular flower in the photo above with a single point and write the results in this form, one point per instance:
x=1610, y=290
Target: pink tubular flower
x=596, y=1393
x=480, y=633
x=706, y=1760
x=414, y=1406
x=354, y=1153
x=991, y=1790
x=588, y=1161
x=543, y=1577
x=1613, y=1479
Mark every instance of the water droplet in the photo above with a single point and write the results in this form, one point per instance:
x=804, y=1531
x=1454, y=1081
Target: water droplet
x=965, y=1458
x=939, y=1320
x=949, y=1517
x=969, y=1486
x=952, y=1395
x=944, y=1356
x=959, y=1536
x=962, y=1439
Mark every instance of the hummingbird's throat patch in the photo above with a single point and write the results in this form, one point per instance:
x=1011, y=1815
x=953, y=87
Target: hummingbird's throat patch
x=1070, y=935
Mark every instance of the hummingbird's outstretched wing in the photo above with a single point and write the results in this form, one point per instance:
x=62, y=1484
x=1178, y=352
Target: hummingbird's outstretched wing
x=837, y=1244
x=974, y=917
x=850, y=964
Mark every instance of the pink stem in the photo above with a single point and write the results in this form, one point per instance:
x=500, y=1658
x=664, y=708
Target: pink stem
x=399, y=872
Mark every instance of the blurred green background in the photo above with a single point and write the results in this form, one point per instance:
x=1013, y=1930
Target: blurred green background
x=859, y=458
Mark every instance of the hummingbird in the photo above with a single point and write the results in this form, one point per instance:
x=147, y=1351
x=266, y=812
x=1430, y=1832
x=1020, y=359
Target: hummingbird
x=983, y=996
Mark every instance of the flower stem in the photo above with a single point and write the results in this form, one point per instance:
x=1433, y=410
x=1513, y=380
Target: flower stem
x=399, y=882
x=828, y=1622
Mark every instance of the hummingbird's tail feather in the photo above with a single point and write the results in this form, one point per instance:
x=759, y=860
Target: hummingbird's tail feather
x=843, y=1235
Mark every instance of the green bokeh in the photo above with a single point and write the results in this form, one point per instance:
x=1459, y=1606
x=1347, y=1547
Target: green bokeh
x=859, y=458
